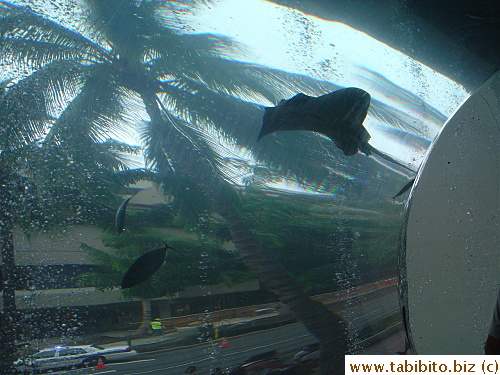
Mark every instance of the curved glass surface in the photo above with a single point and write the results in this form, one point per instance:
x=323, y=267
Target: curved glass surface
x=145, y=210
x=450, y=218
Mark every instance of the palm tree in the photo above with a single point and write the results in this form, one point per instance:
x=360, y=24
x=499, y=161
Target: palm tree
x=44, y=187
x=80, y=90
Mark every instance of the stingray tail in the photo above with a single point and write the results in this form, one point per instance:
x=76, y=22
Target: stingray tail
x=267, y=122
x=388, y=158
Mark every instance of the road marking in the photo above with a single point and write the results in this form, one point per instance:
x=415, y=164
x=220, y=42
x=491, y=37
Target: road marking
x=179, y=366
x=220, y=340
x=157, y=370
x=138, y=361
x=79, y=371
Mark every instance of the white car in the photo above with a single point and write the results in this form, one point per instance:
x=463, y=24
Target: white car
x=72, y=356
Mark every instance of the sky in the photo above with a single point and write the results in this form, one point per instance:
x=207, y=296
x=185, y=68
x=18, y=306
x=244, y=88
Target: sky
x=286, y=39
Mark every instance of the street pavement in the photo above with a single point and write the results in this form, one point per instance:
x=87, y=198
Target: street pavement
x=172, y=352
x=389, y=342
x=145, y=342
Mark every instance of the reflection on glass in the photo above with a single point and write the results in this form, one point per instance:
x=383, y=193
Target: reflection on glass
x=273, y=247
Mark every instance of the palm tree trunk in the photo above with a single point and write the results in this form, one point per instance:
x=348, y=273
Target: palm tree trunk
x=330, y=329
x=8, y=313
x=146, y=317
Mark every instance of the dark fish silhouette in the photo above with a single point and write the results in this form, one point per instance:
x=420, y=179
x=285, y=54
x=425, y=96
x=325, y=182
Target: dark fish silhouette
x=339, y=115
x=405, y=188
x=120, y=215
x=144, y=267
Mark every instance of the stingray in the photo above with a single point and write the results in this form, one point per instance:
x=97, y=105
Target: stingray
x=144, y=267
x=339, y=115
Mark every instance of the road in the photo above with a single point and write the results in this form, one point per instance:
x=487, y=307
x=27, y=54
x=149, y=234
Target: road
x=287, y=340
x=207, y=356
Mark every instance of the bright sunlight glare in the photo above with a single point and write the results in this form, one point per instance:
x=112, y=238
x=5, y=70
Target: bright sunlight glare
x=284, y=38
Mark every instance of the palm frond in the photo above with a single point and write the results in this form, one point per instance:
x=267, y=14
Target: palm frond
x=116, y=155
x=131, y=176
x=127, y=23
x=105, y=257
x=185, y=47
x=164, y=140
x=94, y=113
x=196, y=103
x=31, y=54
x=25, y=108
x=286, y=84
x=35, y=40
x=241, y=121
x=171, y=145
x=240, y=79
x=3, y=87
x=405, y=121
x=171, y=14
x=60, y=190
x=286, y=153
x=412, y=114
x=188, y=202
x=216, y=148
x=213, y=44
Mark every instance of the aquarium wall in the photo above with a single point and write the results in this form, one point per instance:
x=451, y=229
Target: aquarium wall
x=224, y=184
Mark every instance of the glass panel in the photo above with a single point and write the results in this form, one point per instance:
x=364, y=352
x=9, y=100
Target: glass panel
x=66, y=352
x=231, y=173
x=45, y=354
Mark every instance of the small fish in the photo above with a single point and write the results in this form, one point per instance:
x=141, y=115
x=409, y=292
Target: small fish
x=144, y=267
x=120, y=215
x=405, y=188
